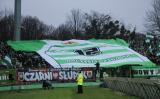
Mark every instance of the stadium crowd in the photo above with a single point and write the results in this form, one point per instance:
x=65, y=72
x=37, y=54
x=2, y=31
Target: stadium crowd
x=20, y=59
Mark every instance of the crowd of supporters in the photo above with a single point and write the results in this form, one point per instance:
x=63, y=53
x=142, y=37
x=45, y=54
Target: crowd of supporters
x=144, y=50
x=148, y=49
x=20, y=59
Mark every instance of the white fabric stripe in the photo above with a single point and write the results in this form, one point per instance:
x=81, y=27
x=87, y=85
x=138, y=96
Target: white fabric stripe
x=102, y=64
x=101, y=56
x=79, y=41
x=53, y=42
x=87, y=46
x=47, y=58
x=72, y=53
x=124, y=60
x=76, y=65
x=140, y=56
x=111, y=48
x=61, y=53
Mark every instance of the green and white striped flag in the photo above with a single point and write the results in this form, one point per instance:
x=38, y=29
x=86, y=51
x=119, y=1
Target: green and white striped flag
x=83, y=53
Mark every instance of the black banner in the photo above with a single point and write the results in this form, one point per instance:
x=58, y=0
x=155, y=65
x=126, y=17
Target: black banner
x=65, y=74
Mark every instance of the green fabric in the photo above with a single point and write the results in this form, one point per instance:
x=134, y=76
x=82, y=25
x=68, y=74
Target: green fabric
x=28, y=46
x=35, y=45
x=145, y=67
x=116, y=41
x=139, y=64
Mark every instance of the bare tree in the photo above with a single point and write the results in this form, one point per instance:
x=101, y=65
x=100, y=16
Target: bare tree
x=62, y=32
x=98, y=25
x=33, y=28
x=75, y=21
x=6, y=25
x=153, y=18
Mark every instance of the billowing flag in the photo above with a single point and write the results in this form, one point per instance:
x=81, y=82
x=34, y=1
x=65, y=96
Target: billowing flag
x=83, y=53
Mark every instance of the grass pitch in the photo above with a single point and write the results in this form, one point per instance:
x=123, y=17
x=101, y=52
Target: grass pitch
x=65, y=93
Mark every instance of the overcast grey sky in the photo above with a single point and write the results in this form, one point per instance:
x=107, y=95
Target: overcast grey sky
x=130, y=12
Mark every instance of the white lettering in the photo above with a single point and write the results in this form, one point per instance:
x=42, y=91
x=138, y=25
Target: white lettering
x=64, y=75
x=84, y=75
x=74, y=74
x=26, y=75
x=60, y=75
x=36, y=77
x=70, y=76
x=41, y=76
x=48, y=76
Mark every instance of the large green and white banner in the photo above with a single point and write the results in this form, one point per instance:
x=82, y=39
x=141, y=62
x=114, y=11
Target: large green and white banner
x=83, y=53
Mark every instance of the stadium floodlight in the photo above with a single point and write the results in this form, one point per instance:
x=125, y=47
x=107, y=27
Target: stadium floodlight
x=17, y=20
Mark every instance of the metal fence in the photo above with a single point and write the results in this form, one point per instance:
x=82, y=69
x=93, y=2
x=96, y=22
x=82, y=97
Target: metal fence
x=143, y=88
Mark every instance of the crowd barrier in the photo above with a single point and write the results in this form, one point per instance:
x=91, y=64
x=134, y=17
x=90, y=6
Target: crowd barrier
x=143, y=88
